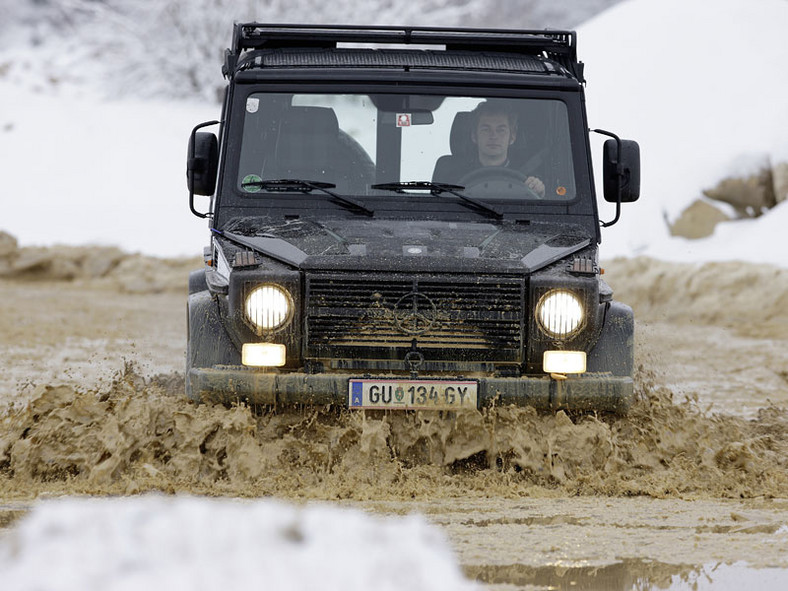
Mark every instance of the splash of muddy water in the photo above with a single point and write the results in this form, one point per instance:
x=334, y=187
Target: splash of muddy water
x=140, y=434
x=697, y=474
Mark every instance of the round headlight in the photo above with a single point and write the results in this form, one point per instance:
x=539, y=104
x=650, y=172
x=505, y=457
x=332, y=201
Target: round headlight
x=560, y=313
x=267, y=307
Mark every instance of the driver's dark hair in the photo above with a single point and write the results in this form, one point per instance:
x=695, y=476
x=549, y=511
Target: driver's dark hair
x=494, y=107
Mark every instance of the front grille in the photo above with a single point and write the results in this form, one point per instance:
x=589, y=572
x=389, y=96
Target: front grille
x=478, y=319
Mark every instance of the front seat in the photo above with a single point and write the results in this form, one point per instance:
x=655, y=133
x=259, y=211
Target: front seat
x=306, y=145
x=452, y=167
x=310, y=146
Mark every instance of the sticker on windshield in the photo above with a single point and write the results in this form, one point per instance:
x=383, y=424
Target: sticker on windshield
x=252, y=104
x=403, y=119
x=250, y=183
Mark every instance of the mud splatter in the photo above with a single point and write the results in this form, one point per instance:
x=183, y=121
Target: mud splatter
x=140, y=434
x=525, y=497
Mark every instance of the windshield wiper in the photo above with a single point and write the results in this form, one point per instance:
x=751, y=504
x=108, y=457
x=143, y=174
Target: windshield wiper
x=439, y=189
x=307, y=187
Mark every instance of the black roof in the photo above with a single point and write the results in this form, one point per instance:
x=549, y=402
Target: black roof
x=381, y=58
x=257, y=45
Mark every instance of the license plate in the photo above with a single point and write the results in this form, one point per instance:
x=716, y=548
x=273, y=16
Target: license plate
x=412, y=394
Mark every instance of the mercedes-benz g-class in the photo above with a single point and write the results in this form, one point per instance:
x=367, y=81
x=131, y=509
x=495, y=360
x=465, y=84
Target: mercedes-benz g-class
x=406, y=218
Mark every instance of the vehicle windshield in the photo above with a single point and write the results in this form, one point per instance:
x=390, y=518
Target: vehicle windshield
x=493, y=148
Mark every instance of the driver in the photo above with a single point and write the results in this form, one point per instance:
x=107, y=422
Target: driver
x=494, y=129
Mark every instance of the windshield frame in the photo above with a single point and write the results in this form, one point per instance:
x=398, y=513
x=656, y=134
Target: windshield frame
x=386, y=203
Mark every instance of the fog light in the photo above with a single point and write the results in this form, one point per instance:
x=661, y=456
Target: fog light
x=263, y=355
x=564, y=362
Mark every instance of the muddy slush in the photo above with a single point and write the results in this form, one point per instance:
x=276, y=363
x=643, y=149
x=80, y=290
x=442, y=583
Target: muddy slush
x=696, y=475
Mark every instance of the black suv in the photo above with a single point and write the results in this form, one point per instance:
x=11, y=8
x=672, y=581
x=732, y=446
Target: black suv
x=405, y=218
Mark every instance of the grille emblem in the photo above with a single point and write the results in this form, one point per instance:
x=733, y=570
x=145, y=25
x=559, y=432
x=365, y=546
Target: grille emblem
x=415, y=313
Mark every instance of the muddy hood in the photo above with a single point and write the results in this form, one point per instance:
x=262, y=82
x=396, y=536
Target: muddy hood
x=410, y=246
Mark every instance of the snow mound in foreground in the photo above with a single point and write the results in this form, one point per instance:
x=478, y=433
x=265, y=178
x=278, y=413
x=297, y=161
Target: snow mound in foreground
x=193, y=543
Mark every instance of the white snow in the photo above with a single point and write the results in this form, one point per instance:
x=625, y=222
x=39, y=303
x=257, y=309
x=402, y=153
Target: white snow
x=77, y=170
x=702, y=89
x=196, y=544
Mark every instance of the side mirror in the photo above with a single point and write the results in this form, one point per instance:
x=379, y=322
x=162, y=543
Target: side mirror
x=621, y=171
x=202, y=163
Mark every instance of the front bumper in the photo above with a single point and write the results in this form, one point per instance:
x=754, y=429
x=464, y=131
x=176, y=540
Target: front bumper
x=590, y=391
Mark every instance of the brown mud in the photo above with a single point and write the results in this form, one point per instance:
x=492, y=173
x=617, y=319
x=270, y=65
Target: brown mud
x=140, y=434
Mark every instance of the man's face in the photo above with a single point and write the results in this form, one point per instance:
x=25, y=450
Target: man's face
x=493, y=137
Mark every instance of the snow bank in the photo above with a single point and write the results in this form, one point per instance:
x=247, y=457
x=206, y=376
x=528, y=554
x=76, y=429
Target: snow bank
x=78, y=170
x=199, y=544
x=702, y=88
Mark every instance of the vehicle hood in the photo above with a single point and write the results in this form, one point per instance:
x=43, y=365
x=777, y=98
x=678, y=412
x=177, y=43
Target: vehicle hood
x=399, y=245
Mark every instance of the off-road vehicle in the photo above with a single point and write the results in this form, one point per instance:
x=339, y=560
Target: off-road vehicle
x=366, y=251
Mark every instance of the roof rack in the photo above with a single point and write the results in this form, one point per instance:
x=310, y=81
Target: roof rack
x=558, y=45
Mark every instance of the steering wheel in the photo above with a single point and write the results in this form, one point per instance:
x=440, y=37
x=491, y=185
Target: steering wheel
x=497, y=173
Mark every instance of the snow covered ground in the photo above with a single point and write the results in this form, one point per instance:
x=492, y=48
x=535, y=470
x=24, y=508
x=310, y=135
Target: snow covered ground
x=702, y=91
x=80, y=170
x=188, y=543
x=702, y=88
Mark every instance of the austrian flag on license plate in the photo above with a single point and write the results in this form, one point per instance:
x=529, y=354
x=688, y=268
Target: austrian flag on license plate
x=412, y=394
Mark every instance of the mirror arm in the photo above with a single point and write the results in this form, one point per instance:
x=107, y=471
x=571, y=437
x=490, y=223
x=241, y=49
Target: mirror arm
x=619, y=174
x=191, y=170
